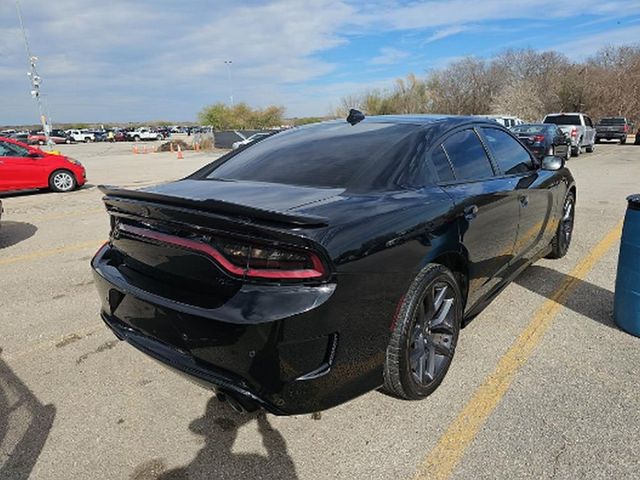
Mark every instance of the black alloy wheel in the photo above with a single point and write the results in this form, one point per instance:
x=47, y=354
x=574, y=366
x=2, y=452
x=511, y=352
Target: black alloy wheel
x=564, y=232
x=425, y=336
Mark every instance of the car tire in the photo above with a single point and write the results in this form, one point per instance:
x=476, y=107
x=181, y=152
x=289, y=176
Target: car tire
x=590, y=148
x=623, y=140
x=564, y=232
x=425, y=334
x=67, y=141
x=576, y=151
x=136, y=138
x=62, y=181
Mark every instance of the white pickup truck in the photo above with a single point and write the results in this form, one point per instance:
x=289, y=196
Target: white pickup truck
x=578, y=127
x=80, y=136
x=144, y=134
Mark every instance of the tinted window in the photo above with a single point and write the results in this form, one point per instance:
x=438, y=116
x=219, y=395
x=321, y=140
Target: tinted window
x=530, y=129
x=613, y=121
x=442, y=165
x=511, y=156
x=11, y=150
x=467, y=155
x=5, y=151
x=563, y=120
x=588, y=122
x=333, y=154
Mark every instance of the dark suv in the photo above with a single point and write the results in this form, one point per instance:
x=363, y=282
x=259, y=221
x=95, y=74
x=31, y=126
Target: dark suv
x=612, y=128
x=329, y=260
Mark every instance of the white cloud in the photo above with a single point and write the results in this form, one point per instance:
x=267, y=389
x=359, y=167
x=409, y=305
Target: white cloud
x=446, y=32
x=121, y=60
x=389, y=56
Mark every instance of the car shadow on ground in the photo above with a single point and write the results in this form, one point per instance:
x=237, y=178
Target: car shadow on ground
x=12, y=233
x=587, y=299
x=25, y=424
x=219, y=428
x=42, y=191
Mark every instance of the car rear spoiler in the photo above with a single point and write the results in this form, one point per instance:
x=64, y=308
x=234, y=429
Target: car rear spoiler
x=114, y=195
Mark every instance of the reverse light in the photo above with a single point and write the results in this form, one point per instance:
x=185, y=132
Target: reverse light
x=244, y=259
x=538, y=138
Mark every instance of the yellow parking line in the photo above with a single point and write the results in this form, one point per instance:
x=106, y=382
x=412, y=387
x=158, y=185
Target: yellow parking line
x=442, y=460
x=50, y=252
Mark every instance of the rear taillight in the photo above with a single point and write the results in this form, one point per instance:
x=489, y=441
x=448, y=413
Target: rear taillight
x=574, y=132
x=538, y=138
x=626, y=129
x=242, y=258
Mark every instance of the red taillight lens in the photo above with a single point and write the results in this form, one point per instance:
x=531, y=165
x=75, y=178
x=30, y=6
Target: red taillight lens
x=574, y=132
x=244, y=259
x=538, y=138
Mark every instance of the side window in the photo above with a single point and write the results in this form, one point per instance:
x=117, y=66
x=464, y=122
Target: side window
x=467, y=156
x=442, y=165
x=16, y=150
x=588, y=121
x=5, y=151
x=512, y=157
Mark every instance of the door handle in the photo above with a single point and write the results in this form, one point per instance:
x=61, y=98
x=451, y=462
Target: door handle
x=524, y=200
x=470, y=212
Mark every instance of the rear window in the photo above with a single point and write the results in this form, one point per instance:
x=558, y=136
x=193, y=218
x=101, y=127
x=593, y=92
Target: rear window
x=323, y=155
x=531, y=129
x=563, y=120
x=612, y=121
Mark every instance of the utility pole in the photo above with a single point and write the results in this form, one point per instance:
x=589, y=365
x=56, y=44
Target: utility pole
x=35, y=79
x=228, y=64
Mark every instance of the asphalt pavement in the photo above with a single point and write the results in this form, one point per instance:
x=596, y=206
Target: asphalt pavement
x=543, y=385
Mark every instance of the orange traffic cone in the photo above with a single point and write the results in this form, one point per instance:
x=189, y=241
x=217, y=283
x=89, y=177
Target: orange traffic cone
x=135, y=149
x=197, y=147
x=180, y=156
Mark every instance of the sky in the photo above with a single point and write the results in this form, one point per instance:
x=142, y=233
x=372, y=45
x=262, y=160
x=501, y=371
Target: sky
x=145, y=60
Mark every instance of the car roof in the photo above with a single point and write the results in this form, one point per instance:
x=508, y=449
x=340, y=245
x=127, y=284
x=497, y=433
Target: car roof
x=564, y=113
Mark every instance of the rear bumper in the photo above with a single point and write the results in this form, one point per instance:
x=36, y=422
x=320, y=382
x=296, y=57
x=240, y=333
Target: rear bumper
x=287, y=351
x=610, y=136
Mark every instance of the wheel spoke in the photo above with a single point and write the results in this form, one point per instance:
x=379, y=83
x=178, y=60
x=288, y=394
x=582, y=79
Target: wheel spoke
x=430, y=371
x=439, y=297
x=440, y=324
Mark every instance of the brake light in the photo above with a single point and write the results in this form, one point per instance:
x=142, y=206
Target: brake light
x=574, y=132
x=243, y=259
x=538, y=138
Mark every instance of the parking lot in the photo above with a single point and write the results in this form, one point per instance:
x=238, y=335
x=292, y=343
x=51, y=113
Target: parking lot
x=543, y=384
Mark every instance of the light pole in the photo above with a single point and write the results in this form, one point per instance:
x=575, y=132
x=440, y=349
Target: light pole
x=35, y=80
x=228, y=64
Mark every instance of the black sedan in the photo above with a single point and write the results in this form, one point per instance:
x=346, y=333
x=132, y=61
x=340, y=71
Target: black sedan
x=332, y=259
x=544, y=139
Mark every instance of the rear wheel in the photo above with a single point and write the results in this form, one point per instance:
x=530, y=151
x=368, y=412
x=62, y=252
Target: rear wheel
x=136, y=138
x=590, y=148
x=562, y=239
x=424, y=339
x=62, y=181
x=576, y=151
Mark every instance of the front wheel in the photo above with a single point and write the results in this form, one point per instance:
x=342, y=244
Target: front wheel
x=424, y=338
x=591, y=148
x=62, y=181
x=562, y=239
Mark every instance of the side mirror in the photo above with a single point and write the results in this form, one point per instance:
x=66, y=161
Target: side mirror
x=552, y=163
x=34, y=155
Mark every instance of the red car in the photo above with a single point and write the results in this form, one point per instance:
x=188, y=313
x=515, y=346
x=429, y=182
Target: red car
x=23, y=167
